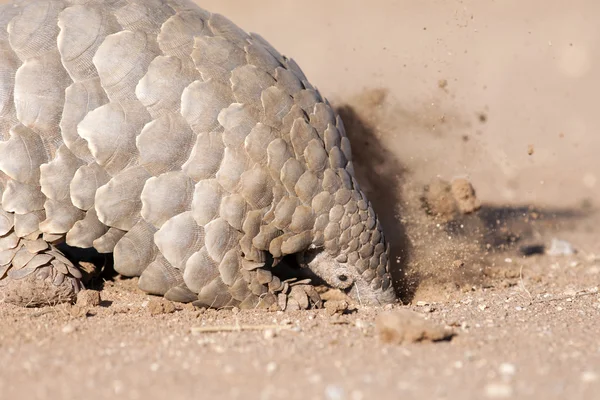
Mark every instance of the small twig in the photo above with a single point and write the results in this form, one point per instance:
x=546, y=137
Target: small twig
x=235, y=328
x=522, y=285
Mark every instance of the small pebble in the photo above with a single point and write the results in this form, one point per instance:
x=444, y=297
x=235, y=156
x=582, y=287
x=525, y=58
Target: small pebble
x=160, y=306
x=336, y=306
x=68, y=329
x=404, y=326
x=88, y=298
x=269, y=334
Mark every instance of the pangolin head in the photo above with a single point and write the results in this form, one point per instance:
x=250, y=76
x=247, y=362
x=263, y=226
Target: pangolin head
x=354, y=256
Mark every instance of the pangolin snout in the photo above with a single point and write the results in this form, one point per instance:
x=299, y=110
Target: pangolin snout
x=345, y=276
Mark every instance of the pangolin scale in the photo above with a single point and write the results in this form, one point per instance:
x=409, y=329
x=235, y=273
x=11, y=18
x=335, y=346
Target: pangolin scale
x=194, y=152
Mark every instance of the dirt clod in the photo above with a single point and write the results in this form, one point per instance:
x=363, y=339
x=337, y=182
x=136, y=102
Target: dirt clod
x=336, y=306
x=404, y=326
x=159, y=306
x=88, y=298
x=438, y=200
x=446, y=201
x=464, y=195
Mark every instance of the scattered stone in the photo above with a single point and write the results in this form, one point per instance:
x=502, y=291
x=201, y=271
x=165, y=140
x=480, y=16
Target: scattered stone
x=269, y=334
x=507, y=369
x=67, y=329
x=498, y=391
x=160, y=305
x=404, y=326
x=88, y=298
x=560, y=248
x=334, y=392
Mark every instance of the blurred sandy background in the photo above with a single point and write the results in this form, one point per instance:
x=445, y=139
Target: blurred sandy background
x=475, y=85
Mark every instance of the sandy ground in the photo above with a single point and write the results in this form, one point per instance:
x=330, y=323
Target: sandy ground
x=503, y=93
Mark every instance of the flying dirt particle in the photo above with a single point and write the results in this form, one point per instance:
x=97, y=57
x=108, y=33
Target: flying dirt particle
x=404, y=326
x=482, y=117
x=443, y=84
x=530, y=150
x=464, y=195
x=438, y=201
x=446, y=200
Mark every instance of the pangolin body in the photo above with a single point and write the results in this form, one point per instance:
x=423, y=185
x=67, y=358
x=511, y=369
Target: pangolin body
x=195, y=152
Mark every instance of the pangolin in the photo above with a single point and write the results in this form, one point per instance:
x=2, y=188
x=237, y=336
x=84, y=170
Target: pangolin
x=193, y=151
